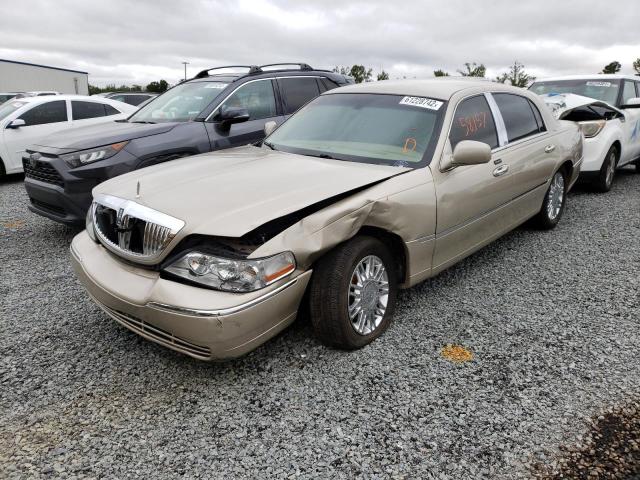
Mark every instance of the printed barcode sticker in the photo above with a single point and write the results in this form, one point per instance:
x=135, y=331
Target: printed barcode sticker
x=598, y=84
x=421, y=102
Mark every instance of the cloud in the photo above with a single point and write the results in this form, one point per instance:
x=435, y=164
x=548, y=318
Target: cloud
x=137, y=42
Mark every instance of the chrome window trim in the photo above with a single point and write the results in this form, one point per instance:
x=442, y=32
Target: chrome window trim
x=503, y=139
x=194, y=312
x=140, y=212
x=212, y=114
x=523, y=139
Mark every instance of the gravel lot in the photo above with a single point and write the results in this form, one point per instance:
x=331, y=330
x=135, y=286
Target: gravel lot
x=550, y=317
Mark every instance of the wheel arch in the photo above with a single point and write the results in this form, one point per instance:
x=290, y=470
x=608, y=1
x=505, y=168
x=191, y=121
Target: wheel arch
x=394, y=243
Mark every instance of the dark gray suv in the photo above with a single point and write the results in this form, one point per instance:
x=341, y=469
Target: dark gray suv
x=214, y=110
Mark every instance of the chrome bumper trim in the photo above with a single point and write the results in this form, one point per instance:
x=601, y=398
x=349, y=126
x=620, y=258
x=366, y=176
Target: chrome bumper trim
x=194, y=312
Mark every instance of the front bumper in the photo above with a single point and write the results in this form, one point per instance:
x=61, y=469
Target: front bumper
x=202, y=323
x=595, y=149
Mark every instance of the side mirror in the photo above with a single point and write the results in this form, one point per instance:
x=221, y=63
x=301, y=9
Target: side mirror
x=269, y=127
x=17, y=123
x=632, y=103
x=470, y=152
x=231, y=115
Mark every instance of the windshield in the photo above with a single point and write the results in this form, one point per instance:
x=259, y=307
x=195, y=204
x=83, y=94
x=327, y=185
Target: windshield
x=381, y=129
x=604, y=90
x=8, y=108
x=180, y=104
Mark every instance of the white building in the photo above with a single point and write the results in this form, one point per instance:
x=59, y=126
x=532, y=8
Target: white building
x=27, y=77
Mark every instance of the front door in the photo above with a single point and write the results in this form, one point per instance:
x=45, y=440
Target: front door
x=40, y=121
x=259, y=99
x=469, y=197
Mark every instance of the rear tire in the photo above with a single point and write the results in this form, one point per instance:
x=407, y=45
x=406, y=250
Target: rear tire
x=554, y=202
x=353, y=293
x=604, y=180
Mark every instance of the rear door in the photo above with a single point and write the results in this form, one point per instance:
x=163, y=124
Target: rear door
x=89, y=113
x=259, y=98
x=40, y=121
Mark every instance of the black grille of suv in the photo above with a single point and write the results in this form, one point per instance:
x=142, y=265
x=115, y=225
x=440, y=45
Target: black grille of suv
x=41, y=171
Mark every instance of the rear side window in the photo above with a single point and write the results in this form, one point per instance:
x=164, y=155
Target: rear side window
x=51, y=112
x=297, y=92
x=518, y=116
x=539, y=121
x=326, y=84
x=473, y=121
x=256, y=97
x=628, y=91
x=109, y=110
x=85, y=110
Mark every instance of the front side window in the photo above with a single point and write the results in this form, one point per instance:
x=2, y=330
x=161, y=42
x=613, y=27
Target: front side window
x=51, y=112
x=182, y=103
x=604, y=90
x=473, y=121
x=256, y=97
x=368, y=128
x=85, y=110
x=518, y=116
x=628, y=91
x=297, y=92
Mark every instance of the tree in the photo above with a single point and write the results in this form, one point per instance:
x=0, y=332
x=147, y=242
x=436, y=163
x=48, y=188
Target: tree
x=473, y=70
x=383, y=76
x=440, y=73
x=636, y=66
x=516, y=76
x=342, y=70
x=613, y=67
x=360, y=73
x=158, y=87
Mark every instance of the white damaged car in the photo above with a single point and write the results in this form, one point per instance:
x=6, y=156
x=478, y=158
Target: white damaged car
x=607, y=108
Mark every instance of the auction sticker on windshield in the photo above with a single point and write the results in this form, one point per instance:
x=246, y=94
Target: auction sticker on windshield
x=422, y=102
x=598, y=84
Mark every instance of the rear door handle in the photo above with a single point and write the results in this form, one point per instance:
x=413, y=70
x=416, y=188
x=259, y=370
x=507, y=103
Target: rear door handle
x=501, y=170
x=549, y=148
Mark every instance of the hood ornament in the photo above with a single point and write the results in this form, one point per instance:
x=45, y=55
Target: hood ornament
x=138, y=190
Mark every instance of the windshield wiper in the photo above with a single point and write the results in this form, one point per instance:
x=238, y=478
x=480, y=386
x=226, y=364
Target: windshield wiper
x=143, y=121
x=270, y=145
x=324, y=155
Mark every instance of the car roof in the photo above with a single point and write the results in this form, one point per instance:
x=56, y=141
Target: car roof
x=53, y=98
x=442, y=87
x=593, y=76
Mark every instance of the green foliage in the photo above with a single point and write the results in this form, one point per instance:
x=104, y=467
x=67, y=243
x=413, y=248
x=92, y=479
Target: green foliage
x=440, y=73
x=473, y=70
x=516, y=76
x=383, y=76
x=158, y=87
x=613, y=67
x=636, y=66
x=342, y=70
x=360, y=73
x=112, y=88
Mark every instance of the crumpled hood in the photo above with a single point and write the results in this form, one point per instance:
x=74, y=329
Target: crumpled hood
x=81, y=138
x=231, y=192
x=561, y=104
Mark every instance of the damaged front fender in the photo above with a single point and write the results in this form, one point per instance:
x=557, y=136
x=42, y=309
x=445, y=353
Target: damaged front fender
x=404, y=206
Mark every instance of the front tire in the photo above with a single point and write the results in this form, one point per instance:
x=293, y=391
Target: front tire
x=554, y=202
x=353, y=293
x=607, y=173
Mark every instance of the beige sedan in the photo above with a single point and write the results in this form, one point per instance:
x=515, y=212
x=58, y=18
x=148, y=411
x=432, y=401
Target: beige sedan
x=365, y=190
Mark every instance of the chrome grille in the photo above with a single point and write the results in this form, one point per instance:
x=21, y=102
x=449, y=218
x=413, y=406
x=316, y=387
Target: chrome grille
x=132, y=230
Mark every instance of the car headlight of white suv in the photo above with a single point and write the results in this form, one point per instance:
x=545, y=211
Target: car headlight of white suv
x=592, y=128
x=232, y=275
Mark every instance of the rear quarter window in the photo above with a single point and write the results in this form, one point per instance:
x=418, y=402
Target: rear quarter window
x=518, y=115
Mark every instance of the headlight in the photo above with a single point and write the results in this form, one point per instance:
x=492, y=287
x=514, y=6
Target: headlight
x=592, y=128
x=88, y=223
x=83, y=157
x=233, y=275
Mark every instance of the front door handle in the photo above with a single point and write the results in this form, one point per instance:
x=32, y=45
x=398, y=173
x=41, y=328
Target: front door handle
x=549, y=148
x=501, y=170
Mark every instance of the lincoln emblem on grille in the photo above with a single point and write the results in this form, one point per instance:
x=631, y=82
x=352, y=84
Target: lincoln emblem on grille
x=123, y=226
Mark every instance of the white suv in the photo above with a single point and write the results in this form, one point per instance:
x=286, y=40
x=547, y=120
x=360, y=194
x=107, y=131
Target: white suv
x=609, y=117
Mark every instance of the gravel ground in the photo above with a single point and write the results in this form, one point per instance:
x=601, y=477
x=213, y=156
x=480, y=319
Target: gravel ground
x=550, y=318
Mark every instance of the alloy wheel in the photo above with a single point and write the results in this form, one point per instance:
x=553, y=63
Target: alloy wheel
x=368, y=295
x=555, y=196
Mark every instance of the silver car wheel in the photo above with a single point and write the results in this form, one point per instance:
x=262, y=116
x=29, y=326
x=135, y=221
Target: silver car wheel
x=555, y=196
x=368, y=295
x=611, y=168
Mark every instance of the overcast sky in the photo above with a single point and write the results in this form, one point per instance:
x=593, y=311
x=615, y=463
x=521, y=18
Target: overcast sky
x=140, y=41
